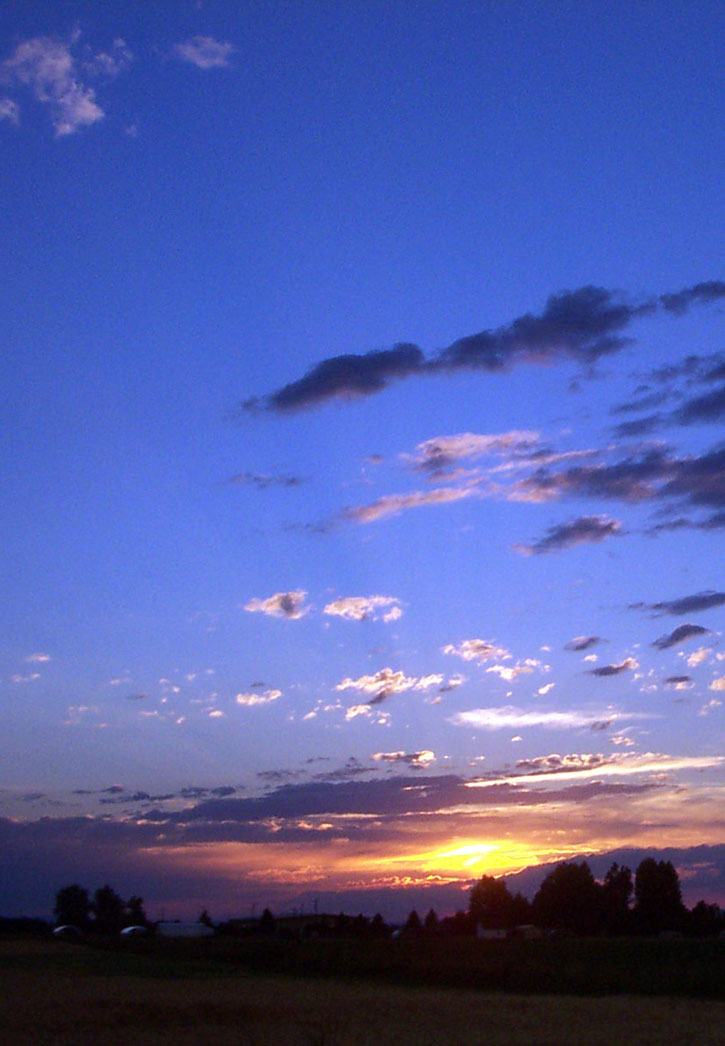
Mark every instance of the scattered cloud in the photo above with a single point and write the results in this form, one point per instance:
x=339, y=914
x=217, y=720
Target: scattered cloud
x=415, y=760
x=680, y=635
x=476, y=650
x=363, y=608
x=290, y=605
x=718, y=684
x=685, y=605
x=510, y=672
x=679, y=682
x=51, y=71
x=10, y=111
x=37, y=659
x=698, y=656
x=582, y=642
x=263, y=481
x=584, y=530
x=205, y=52
x=555, y=764
x=386, y=682
x=253, y=699
x=628, y=665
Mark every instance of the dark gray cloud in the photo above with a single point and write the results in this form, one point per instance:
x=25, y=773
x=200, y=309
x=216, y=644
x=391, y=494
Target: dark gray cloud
x=677, y=681
x=344, y=376
x=262, y=481
x=584, y=325
x=639, y=426
x=680, y=635
x=654, y=473
x=582, y=642
x=353, y=768
x=714, y=522
x=706, y=408
x=700, y=293
x=614, y=670
x=692, y=367
x=583, y=530
x=685, y=604
x=645, y=402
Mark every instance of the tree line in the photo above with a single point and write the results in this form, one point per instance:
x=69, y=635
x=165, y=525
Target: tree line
x=570, y=899
x=105, y=912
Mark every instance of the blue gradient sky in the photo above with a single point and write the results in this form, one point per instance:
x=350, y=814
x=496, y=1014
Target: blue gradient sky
x=205, y=203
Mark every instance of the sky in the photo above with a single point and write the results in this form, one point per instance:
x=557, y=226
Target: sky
x=363, y=444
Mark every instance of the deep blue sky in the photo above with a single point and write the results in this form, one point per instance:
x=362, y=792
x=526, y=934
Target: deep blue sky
x=213, y=213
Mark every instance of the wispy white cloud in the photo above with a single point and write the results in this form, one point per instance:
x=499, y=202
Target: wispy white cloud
x=205, y=52
x=718, y=684
x=38, y=658
x=52, y=72
x=437, y=456
x=362, y=608
x=394, y=504
x=510, y=717
x=578, y=767
x=290, y=605
x=9, y=110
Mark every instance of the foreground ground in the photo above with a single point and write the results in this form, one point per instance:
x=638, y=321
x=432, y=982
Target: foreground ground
x=58, y=993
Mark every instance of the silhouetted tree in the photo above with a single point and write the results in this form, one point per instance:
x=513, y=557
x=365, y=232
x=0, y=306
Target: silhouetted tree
x=134, y=914
x=658, y=897
x=520, y=910
x=108, y=909
x=459, y=925
x=412, y=924
x=72, y=907
x=493, y=907
x=568, y=899
x=266, y=922
x=360, y=926
x=616, y=894
x=705, y=920
x=378, y=927
x=205, y=918
x=431, y=921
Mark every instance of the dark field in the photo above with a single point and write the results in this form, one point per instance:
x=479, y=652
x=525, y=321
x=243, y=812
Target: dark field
x=344, y=993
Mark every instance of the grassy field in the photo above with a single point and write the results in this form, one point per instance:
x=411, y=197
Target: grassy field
x=60, y=993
